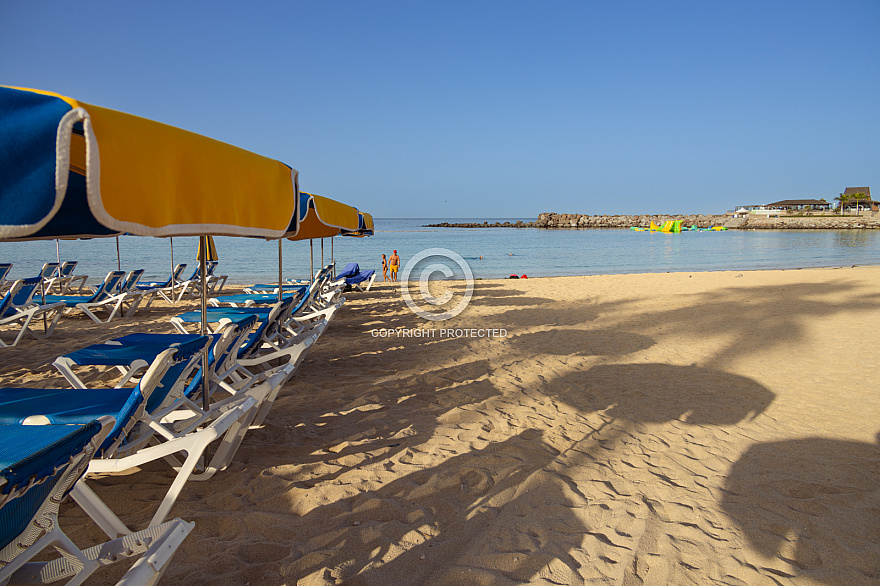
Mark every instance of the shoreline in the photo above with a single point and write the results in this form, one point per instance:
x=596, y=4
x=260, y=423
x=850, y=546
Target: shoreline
x=681, y=272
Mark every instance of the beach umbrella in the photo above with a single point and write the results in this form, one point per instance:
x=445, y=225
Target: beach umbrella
x=211, y=249
x=365, y=226
x=69, y=169
x=321, y=217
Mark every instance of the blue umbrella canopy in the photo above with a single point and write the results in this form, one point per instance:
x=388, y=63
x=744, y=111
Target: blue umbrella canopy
x=69, y=169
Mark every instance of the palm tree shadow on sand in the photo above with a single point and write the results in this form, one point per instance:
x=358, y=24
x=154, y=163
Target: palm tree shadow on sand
x=813, y=503
x=511, y=512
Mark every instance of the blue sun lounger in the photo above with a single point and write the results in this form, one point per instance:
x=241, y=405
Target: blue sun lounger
x=265, y=288
x=350, y=270
x=171, y=290
x=39, y=465
x=5, y=268
x=250, y=299
x=138, y=437
x=127, y=354
x=18, y=308
x=105, y=297
x=63, y=278
x=356, y=277
x=263, y=352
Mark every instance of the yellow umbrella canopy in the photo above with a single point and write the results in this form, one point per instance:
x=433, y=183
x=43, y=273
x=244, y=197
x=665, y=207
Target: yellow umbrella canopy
x=72, y=169
x=322, y=217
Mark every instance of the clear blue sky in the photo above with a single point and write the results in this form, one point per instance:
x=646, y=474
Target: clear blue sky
x=490, y=109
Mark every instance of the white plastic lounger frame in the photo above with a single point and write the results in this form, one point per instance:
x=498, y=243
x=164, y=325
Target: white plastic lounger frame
x=231, y=426
x=155, y=545
x=24, y=316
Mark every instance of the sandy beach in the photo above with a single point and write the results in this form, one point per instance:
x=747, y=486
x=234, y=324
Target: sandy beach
x=682, y=428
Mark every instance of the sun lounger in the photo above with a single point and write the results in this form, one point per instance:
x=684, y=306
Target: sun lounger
x=133, y=296
x=48, y=270
x=18, y=308
x=64, y=279
x=215, y=282
x=250, y=299
x=350, y=270
x=355, y=277
x=223, y=351
x=104, y=298
x=270, y=340
x=5, y=268
x=262, y=353
x=266, y=288
x=164, y=288
x=39, y=464
x=138, y=437
x=230, y=376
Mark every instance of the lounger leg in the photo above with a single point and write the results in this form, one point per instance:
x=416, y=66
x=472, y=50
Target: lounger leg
x=134, y=305
x=99, y=512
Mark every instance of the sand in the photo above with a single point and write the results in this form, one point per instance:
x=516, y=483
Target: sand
x=685, y=428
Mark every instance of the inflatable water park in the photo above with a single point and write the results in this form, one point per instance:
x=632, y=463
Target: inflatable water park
x=675, y=226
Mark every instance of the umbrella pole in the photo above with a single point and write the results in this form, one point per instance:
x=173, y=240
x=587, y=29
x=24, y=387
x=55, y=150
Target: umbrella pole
x=322, y=253
x=311, y=261
x=118, y=258
x=172, y=267
x=332, y=257
x=58, y=256
x=279, y=268
x=43, y=296
x=203, y=251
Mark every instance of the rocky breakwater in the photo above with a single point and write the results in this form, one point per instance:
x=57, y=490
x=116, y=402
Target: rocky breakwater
x=553, y=220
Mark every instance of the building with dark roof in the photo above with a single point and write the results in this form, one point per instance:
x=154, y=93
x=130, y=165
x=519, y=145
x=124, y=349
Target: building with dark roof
x=864, y=203
x=799, y=204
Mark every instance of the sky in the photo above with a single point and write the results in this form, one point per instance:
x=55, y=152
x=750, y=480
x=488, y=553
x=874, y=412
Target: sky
x=490, y=109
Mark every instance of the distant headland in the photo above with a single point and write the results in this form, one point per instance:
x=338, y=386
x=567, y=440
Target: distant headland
x=780, y=221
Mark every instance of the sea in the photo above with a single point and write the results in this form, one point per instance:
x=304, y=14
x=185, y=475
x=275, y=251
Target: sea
x=488, y=253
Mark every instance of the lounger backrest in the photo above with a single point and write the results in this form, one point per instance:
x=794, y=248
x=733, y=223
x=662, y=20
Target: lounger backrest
x=350, y=270
x=111, y=282
x=5, y=267
x=48, y=270
x=39, y=464
x=6, y=302
x=130, y=283
x=66, y=268
x=226, y=351
x=23, y=291
x=153, y=390
x=178, y=270
x=266, y=327
x=174, y=380
x=209, y=270
x=303, y=301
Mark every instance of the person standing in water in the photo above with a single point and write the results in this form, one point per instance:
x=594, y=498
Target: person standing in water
x=394, y=264
x=384, y=269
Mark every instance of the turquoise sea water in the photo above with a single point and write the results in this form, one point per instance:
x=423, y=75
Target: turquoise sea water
x=505, y=251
